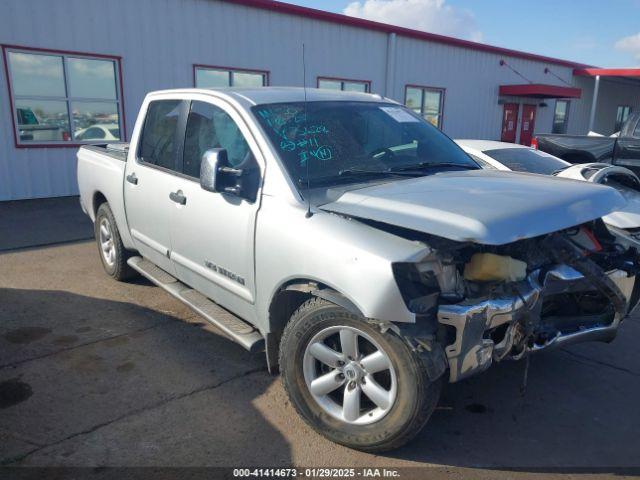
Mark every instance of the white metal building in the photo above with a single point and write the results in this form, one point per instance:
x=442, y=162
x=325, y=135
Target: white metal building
x=76, y=71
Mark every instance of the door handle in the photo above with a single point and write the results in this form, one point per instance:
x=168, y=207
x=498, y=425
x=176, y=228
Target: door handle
x=178, y=197
x=131, y=178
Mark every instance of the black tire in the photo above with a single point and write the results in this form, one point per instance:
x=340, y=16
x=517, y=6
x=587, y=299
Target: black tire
x=416, y=397
x=119, y=269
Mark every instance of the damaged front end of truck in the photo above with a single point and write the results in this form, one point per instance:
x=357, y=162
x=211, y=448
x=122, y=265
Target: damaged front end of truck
x=481, y=304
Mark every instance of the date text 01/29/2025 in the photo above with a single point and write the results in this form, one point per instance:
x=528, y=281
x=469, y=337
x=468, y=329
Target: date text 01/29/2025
x=316, y=472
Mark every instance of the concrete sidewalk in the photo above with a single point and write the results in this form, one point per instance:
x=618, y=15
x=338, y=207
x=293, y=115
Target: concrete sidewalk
x=39, y=222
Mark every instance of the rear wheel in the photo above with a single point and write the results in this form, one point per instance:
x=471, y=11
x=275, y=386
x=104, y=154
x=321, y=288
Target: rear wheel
x=352, y=383
x=112, y=252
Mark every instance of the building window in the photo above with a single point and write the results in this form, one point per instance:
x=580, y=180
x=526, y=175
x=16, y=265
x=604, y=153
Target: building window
x=346, y=85
x=560, y=117
x=64, y=98
x=217, y=77
x=427, y=102
x=622, y=114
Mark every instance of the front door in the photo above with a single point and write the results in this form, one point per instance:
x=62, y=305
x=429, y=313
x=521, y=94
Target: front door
x=149, y=179
x=213, y=233
x=509, y=123
x=527, y=124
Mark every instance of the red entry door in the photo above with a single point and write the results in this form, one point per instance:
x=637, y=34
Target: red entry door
x=527, y=124
x=509, y=123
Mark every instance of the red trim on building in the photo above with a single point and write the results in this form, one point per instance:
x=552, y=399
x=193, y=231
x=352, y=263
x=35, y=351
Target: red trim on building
x=116, y=58
x=124, y=117
x=607, y=72
x=340, y=79
x=60, y=52
x=540, y=90
x=331, y=17
x=266, y=73
x=12, y=110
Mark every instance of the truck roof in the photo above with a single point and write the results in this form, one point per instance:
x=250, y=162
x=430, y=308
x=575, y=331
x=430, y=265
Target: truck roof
x=262, y=95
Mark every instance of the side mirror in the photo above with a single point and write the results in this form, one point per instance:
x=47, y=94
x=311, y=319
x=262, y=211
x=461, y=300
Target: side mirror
x=216, y=175
x=211, y=160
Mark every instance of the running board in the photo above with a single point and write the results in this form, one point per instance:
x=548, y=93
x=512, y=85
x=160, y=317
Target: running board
x=232, y=326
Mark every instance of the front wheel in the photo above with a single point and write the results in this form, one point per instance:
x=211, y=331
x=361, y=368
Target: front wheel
x=352, y=383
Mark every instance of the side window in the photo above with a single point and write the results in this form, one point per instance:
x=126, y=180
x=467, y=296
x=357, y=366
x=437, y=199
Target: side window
x=209, y=127
x=158, y=142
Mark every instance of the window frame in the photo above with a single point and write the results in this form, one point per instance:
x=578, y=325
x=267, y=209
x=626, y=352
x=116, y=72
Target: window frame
x=231, y=70
x=185, y=108
x=441, y=90
x=178, y=139
x=565, y=123
x=616, y=127
x=342, y=81
x=119, y=100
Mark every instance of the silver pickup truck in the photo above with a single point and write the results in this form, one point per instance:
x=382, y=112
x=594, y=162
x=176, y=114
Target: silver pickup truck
x=358, y=246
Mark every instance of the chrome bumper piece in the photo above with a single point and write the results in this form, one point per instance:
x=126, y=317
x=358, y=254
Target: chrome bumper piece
x=471, y=353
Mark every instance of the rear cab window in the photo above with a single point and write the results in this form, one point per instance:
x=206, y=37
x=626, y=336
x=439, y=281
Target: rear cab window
x=160, y=134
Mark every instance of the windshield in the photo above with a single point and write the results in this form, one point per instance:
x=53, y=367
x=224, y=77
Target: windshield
x=528, y=160
x=342, y=142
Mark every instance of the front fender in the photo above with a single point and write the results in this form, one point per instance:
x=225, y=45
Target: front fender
x=348, y=256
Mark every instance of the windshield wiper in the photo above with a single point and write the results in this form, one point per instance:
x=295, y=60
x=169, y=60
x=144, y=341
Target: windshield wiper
x=405, y=171
x=430, y=165
x=364, y=171
x=348, y=173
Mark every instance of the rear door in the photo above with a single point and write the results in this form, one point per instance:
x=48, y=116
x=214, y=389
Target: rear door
x=509, y=123
x=627, y=147
x=150, y=178
x=527, y=124
x=213, y=233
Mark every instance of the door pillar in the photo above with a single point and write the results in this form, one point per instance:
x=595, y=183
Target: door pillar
x=594, y=103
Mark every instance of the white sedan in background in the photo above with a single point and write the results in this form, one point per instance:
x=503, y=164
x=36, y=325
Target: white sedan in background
x=100, y=131
x=519, y=158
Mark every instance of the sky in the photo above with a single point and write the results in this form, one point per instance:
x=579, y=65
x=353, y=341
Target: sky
x=603, y=33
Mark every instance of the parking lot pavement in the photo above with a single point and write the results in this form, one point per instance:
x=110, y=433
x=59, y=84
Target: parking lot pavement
x=99, y=373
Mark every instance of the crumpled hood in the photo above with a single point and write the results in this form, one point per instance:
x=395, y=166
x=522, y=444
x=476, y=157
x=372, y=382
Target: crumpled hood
x=481, y=206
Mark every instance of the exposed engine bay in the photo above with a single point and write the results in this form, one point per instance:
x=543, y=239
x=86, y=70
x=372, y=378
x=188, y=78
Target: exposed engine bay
x=489, y=303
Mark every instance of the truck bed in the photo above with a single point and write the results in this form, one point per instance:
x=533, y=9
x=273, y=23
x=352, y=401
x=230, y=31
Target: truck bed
x=577, y=148
x=101, y=170
x=114, y=150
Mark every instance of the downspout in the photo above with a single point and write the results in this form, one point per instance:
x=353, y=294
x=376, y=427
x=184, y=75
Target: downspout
x=391, y=66
x=594, y=102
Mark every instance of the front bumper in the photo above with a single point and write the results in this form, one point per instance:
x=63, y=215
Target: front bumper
x=473, y=350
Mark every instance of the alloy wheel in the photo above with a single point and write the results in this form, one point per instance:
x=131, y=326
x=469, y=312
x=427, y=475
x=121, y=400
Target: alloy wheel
x=349, y=375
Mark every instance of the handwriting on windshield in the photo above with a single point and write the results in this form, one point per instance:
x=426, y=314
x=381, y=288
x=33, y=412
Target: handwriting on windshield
x=296, y=136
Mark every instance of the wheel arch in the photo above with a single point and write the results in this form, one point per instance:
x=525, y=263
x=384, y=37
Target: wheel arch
x=98, y=199
x=287, y=298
